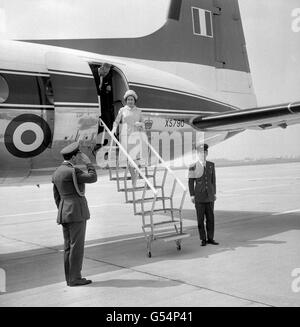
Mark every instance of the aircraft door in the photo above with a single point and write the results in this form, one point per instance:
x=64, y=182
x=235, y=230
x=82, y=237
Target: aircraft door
x=75, y=100
x=110, y=91
x=120, y=86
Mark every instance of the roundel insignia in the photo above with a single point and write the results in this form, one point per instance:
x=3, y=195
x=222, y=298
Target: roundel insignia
x=27, y=136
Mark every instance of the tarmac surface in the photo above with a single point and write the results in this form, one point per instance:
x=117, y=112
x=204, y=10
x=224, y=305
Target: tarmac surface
x=257, y=224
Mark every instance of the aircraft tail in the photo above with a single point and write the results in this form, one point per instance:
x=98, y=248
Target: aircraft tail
x=206, y=32
x=205, y=40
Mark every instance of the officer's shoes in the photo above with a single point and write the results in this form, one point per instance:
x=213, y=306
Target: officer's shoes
x=80, y=282
x=203, y=243
x=213, y=242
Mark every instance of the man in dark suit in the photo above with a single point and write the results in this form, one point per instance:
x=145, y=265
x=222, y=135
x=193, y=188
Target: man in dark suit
x=103, y=79
x=73, y=212
x=202, y=187
x=106, y=95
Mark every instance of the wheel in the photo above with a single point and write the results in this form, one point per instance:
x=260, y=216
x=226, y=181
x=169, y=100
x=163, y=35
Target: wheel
x=149, y=254
x=178, y=245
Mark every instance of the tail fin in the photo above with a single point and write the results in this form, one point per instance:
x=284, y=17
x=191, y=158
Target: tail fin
x=202, y=33
x=206, y=32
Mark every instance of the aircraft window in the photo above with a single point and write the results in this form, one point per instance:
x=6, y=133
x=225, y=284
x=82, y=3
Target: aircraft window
x=4, y=90
x=49, y=91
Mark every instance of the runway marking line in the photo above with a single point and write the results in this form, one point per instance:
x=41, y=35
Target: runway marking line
x=179, y=281
x=28, y=213
x=51, y=211
x=111, y=242
x=256, y=188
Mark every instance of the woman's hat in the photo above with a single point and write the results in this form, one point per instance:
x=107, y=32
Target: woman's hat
x=132, y=93
x=202, y=147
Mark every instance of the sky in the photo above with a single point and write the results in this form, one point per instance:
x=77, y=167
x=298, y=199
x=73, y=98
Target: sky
x=272, y=36
x=274, y=55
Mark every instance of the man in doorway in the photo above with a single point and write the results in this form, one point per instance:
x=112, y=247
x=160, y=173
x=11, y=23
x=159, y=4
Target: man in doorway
x=73, y=212
x=106, y=96
x=202, y=187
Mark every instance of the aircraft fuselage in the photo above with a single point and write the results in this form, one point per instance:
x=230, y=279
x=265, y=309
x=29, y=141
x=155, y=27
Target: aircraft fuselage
x=50, y=98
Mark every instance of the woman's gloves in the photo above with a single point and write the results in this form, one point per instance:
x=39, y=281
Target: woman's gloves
x=139, y=125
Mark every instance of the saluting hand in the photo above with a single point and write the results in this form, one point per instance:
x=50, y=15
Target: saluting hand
x=85, y=159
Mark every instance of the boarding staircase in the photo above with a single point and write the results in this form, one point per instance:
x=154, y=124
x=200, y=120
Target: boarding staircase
x=158, y=204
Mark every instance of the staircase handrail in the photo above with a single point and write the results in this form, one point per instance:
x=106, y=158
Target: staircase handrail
x=113, y=137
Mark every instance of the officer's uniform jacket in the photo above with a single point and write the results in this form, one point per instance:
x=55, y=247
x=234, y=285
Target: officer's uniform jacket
x=202, y=181
x=72, y=207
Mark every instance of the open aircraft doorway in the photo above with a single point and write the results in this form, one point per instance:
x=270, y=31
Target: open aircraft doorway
x=111, y=87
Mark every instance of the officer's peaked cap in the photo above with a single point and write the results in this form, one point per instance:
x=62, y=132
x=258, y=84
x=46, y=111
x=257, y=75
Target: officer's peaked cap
x=202, y=147
x=72, y=148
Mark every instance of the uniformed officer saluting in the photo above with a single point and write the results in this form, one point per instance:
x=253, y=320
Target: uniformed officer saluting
x=202, y=187
x=73, y=210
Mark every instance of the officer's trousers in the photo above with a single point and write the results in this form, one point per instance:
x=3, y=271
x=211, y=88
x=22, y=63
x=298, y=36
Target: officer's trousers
x=74, y=237
x=205, y=209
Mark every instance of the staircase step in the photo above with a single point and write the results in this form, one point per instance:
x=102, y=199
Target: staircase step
x=160, y=198
x=114, y=166
x=174, y=237
x=148, y=212
x=163, y=223
x=128, y=178
x=131, y=189
x=121, y=178
x=117, y=167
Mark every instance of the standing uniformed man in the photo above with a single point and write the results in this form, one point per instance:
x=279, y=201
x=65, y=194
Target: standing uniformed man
x=202, y=187
x=73, y=212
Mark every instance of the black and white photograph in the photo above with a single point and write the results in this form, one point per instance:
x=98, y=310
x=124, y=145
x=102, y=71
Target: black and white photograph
x=150, y=156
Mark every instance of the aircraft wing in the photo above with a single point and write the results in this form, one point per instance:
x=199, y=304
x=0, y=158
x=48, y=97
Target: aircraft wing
x=253, y=118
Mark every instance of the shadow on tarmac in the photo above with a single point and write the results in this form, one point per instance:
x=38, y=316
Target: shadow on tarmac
x=234, y=229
